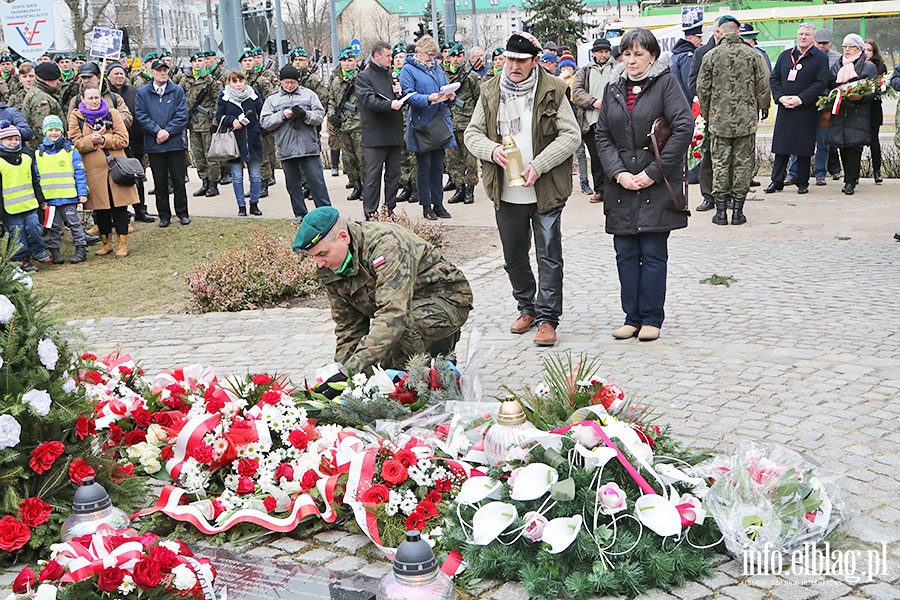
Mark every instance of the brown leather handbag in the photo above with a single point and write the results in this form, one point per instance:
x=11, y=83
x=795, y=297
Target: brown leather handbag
x=659, y=135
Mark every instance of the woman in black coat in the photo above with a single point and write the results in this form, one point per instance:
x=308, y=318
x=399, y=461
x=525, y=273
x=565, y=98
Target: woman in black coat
x=851, y=127
x=639, y=210
x=873, y=55
x=238, y=109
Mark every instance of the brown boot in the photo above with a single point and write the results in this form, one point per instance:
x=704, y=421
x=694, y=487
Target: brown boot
x=94, y=230
x=522, y=324
x=106, y=248
x=546, y=335
x=122, y=248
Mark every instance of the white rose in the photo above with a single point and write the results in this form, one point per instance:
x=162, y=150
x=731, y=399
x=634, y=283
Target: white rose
x=68, y=386
x=39, y=400
x=48, y=353
x=586, y=435
x=45, y=591
x=7, y=309
x=10, y=430
x=151, y=466
x=184, y=577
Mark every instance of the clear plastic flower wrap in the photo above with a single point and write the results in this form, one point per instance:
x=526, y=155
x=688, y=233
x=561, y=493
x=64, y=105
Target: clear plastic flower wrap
x=769, y=498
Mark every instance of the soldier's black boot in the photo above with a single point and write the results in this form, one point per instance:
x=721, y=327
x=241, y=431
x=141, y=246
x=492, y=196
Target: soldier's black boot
x=264, y=190
x=414, y=196
x=202, y=190
x=80, y=255
x=356, y=194
x=450, y=186
x=404, y=194
x=737, y=215
x=212, y=189
x=707, y=204
x=140, y=214
x=459, y=195
x=226, y=179
x=470, y=194
x=721, y=216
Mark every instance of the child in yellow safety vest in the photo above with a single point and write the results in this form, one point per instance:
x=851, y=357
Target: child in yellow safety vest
x=21, y=197
x=64, y=184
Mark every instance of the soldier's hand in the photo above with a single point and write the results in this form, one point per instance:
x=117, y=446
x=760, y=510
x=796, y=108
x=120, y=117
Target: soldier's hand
x=764, y=114
x=498, y=156
x=327, y=390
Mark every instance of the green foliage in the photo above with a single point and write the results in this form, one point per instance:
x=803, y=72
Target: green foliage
x=715, y=279
x=361, y=413
x=433, y=233
x=261, y=271
x=560, y=21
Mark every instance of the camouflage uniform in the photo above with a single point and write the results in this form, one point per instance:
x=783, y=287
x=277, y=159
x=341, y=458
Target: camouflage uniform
x=141, y=78
x=265, y=82
x=40, y=101
x=733, y=86
x=461, y=164
x=350, y=135
x=201, y=122
x=15, y=91
x=379, y=315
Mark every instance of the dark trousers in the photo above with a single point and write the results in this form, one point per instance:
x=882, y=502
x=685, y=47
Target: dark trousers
x=642, y=262
x=706, y=176
x=116, y=217
x=875, y=148
x=142, y=199
x=169, y=167
x=430, y=178
x=517, y=223
x=851, y=156
x=590, y=140
x=780, y=165
x=294, y=171
x=376, y=159
x=834, y=162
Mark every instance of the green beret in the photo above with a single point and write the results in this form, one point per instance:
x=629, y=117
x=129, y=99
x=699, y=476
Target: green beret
x=209, y=53
x=196, y=55
x=299, y=51
x=497, y=52
x=446, y=46
x=456, y=50
x=166, y=53
x=80, y=57
x=61, y=56
x=6, y=58
x=726, y=18
x=246, y=54
x=150, y=57
x=346, y=52
x=398, y=48
x=315, y=226
x=257, y=51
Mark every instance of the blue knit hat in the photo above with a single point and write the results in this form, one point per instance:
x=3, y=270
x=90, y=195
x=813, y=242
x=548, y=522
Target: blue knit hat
x=52, y=122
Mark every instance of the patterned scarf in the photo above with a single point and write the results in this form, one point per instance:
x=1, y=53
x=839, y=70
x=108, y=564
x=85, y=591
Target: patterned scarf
x=515, y=100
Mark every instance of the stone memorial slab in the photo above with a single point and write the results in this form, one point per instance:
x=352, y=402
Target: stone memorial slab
x=252, y=578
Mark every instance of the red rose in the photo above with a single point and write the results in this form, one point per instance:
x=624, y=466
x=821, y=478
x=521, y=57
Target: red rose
x=203, y=453
x=262, y=379
x=698, y=154
x=393, y=472
x=13, y=534
x=164, y=418
x=404, y=396
x=245, y=486
x=52, y=571
x=146, y=573
x=443, y=485
x=298, y=439
x=284, y=470
x=427, y=508
x=43, y=457
x=142, y=417
x=122, y=472
x=79, y=469
x=270, y=397
x=416, y=520
x=247, y=467
x=270, y=503
x=377, y=494
x=135, y=437
x=699, y=136
x=110, y=579
x=165, y=558
x=434, y=379
x=644, y=437
x=218, y=508
x=434, y=496
x=34, y=512
x=115, y=433
x=309, y=479
x=406, y=457
x=167, y=452
x=24, y=580
x=84, y=426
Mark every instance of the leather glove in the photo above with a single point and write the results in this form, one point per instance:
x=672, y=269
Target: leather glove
x=298, y=112
x=764, y=114
x=325, y=389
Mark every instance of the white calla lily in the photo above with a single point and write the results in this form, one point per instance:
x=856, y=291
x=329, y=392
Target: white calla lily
x=559, y=533
x=491, y=520
x=533, y=481
x=658, y=514
x=595, y=457
x=670, y=474
x=476, y=489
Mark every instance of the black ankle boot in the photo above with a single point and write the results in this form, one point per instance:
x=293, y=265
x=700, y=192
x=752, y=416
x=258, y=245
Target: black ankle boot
x=212, y=190
x=356, y=194
x=459, y=195
x=737, y=215
x=707, y=204
x=404, y=195
x=56, y=256
x=721, y=216
x=254, y=210
x=470, y=194
x=202, y=190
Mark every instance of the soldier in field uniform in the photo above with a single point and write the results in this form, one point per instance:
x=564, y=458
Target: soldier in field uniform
x=349, y=133
x=202, y=92
x=461, y=165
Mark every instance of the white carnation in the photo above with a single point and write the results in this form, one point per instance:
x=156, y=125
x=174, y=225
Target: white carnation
x=171, y=545
x=48, y=353
x=39, y=400
x=184, y=577
x=7, y=309
x=10, y=430
x=45, y=591
x=23, y=278
x=1, y=362
x=68, y=387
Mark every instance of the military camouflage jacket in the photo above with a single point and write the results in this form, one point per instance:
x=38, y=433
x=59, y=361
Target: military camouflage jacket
x=462, y=108
x=314, y=82
x=265, y=82
x=202, y=94
x=371, y=305
x=351, y=107
x=40, y=101
x=141, y=78
x=733, y=86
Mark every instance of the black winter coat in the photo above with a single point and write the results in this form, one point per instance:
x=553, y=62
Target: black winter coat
x=381, y=126
x=135, y=133
x=795, y=128
x=852, y=126
x=249, y=137
x=623, y=144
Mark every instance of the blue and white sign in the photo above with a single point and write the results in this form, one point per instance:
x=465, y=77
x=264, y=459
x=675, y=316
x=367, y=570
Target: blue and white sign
x=357, y=47
x=106, y=43
x=28, y=26
x=691, y=16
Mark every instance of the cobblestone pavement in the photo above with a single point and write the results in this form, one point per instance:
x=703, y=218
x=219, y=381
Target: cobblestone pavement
x=802, y=349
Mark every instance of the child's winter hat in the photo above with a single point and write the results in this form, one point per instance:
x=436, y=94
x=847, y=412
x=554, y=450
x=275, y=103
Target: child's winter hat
x=52, y=122
x=7, y=129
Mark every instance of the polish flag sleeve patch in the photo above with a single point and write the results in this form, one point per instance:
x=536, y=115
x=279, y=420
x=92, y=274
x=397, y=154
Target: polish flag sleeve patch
x=378, y=261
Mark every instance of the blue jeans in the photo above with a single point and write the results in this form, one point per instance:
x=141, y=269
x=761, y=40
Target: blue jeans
x=237, y=180
x=27, y=226
x=820, y=166
x=642, y=261
x=311, y=166
x=429, y=178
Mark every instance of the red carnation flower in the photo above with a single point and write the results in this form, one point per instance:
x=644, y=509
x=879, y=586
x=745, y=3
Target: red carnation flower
x=284, y=470
x=214, y=404
x=110, y=579
x=698, y=155
x=247, y=467
x=270, y=397
x=24, y=580
x=79, y=469
x=167, y=452
x=644, y=437
x=52, y=571
x=146, y=573
x=427, y=508
x=165, y=558
x=183, y=549
x=34, y=512
x=404, y=396
x=309, y=479
x=13, y=534
x=125, y=370
x=416, y=520
x=134, y=437
x=92, y=377
x=406, y=457
x=434, y=496
x=203, y=453
x=142, y=417
x=84, y=426
x=122, y=472
x=262, y=379
x=393, y=472
x=88, y=356
x=245, y=486
x=218, y=508
x=377, y=494
x=298, y=439
x=270, y=503
x=43, y=457
x=443, y=485
x=115, y=433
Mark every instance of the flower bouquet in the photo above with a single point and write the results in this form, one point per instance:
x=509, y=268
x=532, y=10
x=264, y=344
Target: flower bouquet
x=767, y=498
x=699, y=143
x=854, y=91
x=114, y=563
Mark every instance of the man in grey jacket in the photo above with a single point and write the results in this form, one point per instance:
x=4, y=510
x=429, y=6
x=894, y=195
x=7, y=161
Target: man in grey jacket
x=293, y=113
x=590, y=81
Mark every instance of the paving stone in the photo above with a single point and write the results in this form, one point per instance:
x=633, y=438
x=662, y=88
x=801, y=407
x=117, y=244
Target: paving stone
x=376, y=570
x=792, y=591
x=742, y=592
x=692, y=591
x=352, y=543
x=347, y=564
x=289, y=545
x=880, y=591
x=510, y=591
x=264, y=552
x=316, y=556
x=719, y=580
x=830, y=589
x=332, y=536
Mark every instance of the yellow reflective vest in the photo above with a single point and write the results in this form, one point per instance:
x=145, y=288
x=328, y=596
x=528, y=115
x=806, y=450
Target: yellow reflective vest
x=57, y=174
x=18, y=188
